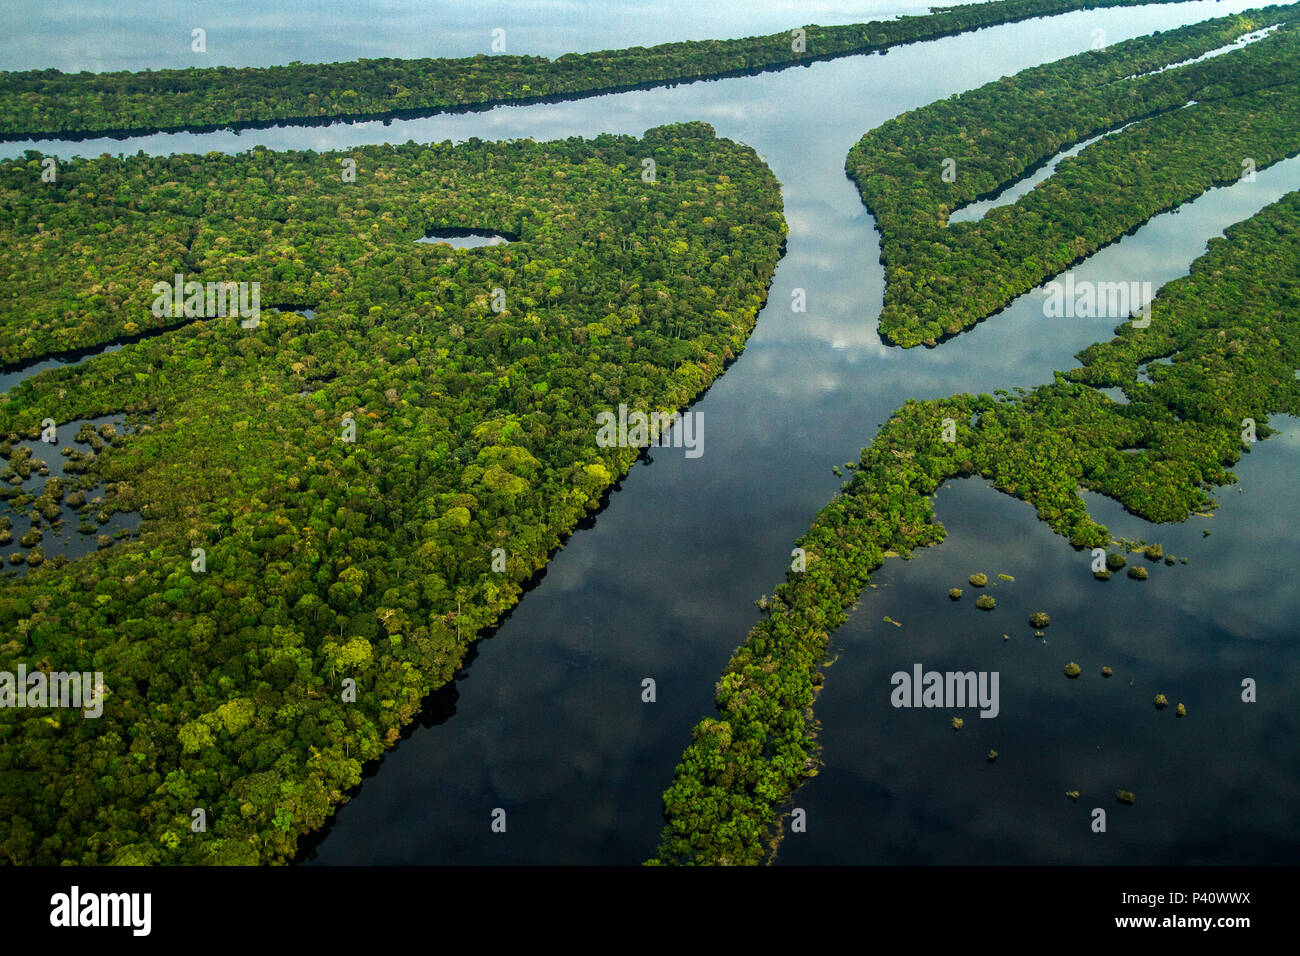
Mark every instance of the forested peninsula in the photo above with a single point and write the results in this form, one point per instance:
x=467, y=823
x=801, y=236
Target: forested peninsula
x=335, y=504
x=1192, y=127
x=1231, y=330
x=50, y=103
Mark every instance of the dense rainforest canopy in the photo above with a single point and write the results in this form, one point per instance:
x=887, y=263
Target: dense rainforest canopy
x=1191, y=127
x=36, y=103
x=470, y=380
x=1232, y=331
x=339, y=498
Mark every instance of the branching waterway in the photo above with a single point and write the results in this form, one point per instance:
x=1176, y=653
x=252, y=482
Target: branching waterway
x=547, y=720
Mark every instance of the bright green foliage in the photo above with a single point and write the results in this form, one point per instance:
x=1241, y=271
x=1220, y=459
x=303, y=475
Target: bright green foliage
x=1233, y=329
x=329, y=561
x=51, y=102
x=942, y=278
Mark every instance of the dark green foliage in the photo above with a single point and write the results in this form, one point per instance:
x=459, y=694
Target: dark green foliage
x=326, y=559
x=743, y=765
x=49, y=102
x=942, y=278
x=1233, y=328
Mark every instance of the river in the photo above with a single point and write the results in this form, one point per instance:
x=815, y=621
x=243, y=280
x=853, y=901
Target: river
x=547, y=720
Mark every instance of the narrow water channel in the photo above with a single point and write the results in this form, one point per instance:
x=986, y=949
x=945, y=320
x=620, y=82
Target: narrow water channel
x=547, y=721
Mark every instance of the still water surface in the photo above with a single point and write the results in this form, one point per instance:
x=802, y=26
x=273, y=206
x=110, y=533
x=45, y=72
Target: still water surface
x=547, y=719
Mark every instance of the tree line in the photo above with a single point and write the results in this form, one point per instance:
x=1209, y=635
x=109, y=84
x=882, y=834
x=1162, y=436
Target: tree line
x=324, y=496
x=36, y=103
x=1232, y=331
x=916, y=169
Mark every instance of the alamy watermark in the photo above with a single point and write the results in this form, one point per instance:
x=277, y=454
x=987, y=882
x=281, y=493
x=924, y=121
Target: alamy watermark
x=1084, y=299
x=636, y=429
x=197, y=300
x=56, y=689
x=75, y=908
x=922, y=688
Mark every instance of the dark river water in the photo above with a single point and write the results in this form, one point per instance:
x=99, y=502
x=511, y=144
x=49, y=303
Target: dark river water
x=547, y=721
x=77, y=530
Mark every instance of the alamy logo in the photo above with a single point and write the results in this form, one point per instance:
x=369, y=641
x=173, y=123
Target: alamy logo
x=922, y=688
x=57, y=689
x=637, y=430
x=75, y=908
x=196, y=300
x=1096, y=300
